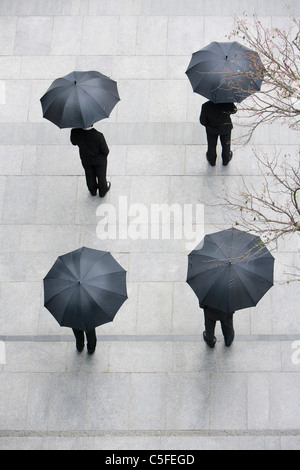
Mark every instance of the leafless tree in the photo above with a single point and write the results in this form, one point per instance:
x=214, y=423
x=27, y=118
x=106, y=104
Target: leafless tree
x=279, y=51
x=269, y=206
x=273, y=209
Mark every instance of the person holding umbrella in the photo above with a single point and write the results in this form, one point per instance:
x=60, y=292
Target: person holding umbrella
x=85, y=289
x=229, y=270
x=93, y=151
x=224, y=73
x=77, y=101
x=216, y=119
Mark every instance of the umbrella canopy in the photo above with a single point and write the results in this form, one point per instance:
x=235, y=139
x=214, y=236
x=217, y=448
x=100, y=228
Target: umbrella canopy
x=79, y=99
x=85, y=289
x=225, y=72
x=230, y=270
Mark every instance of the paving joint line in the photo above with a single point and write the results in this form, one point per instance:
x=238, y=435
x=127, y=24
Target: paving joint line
x=153, y=433
x=145, y=338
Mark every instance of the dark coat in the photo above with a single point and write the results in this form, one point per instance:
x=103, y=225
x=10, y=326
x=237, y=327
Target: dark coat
x=216, y=117
x=92, y=145
x=216, y=315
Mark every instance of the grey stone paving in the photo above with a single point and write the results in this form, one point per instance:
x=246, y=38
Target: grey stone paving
x=152, y=383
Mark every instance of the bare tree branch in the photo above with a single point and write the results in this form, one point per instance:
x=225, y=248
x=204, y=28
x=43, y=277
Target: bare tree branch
x=279, y=51
x=271, y=210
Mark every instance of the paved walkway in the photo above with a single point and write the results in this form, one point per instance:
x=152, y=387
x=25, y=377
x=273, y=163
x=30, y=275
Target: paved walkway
x=152, y=383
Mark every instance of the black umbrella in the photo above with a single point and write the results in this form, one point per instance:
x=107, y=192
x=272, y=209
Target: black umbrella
x=79, y=99
x=230, y=270
x=85, y=289
x=225, y=72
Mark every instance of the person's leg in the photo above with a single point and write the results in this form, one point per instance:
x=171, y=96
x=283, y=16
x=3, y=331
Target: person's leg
x=209, y=333
x=211, y=154
x=79, y=335
x=91, y=181
x=226, y=152
x=91, y=340
x=228, y=331
x=102, y=183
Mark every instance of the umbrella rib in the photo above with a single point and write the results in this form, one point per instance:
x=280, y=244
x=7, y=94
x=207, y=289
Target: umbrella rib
x=217, y=64
x=245, y=286
x=82, y=77
x=72, y=297
x=250, y=244
x=210, y=269
x=219, y=46
x=101, y=106
x=111, y=92
x=231, y=246
x=65, y=107
x=211, y=258
x=104, y=290
x=210, y=51
x=229, y=50
x=59, y=293
x=102, y=274
x=227, y=300
x=95, y=262
x=243, y=252
x=194, y=253
x=54, y=92
x=203, y=74
x=74, y=277
x=247, y=271
x=103, y=311
x=232, y=45
x=65, y=79
x=55, y=86
x=214, y=283
x=220, y=247
x=54, y=103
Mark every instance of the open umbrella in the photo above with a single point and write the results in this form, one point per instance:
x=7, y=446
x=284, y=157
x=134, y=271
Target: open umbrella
x=79, y=99
x=230, y=270
x=225, y=72
x=85, y=289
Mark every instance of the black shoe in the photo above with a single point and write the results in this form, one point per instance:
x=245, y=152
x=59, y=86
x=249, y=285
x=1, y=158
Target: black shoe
x=211, y=163
x=211, y=345
x=93, y=193
x=229, y=341
x=79, y=346
x=108, y=188
x=91, y=351
x=225, y=163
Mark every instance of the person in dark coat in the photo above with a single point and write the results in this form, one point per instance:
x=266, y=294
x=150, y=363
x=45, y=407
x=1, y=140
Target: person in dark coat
x=91, y=340
x=216, y=119
x=211, y=316
x=93, y=152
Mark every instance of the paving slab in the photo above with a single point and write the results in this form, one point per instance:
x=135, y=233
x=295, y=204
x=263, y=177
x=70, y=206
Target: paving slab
x=28, y=29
